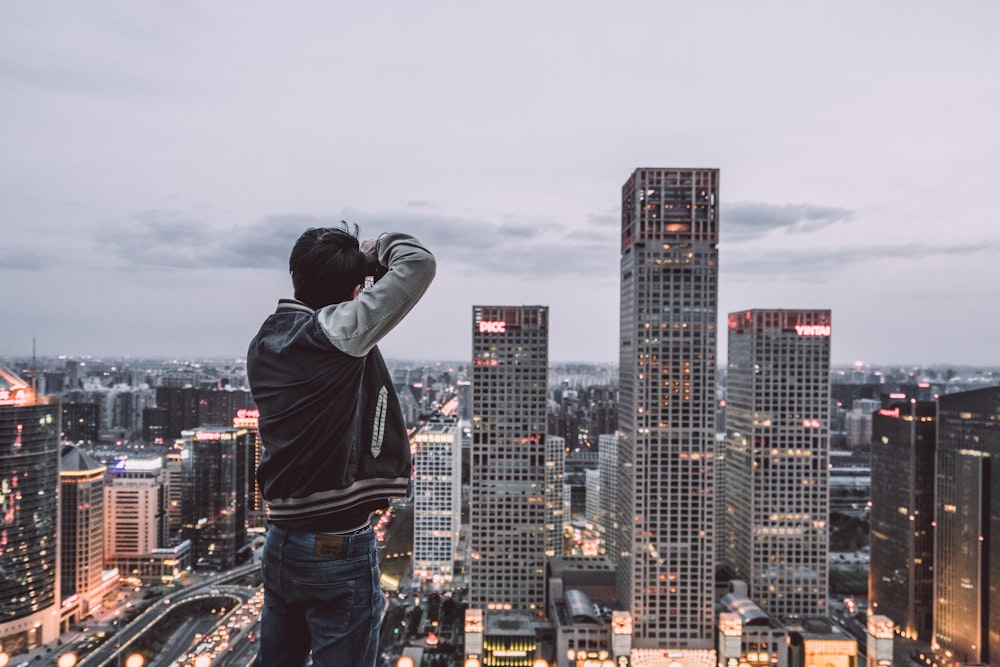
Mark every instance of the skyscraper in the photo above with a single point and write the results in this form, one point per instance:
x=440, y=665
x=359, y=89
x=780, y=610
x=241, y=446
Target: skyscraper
x=555, y=492
x=507, y=485
x=776, y=492
x=967, y=536
x=669, y=291
x=29, y=516
x=901, y=579
x=81, y=538
x=437, y=496
x=214, y=508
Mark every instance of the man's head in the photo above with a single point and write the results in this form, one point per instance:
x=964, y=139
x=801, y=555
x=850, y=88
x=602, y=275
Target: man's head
x=327, y=266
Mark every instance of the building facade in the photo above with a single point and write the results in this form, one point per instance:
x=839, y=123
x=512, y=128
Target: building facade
x=437, y=496
x=555, y=494
x=29, y=516
x=666, y=419
x=135, y=511
x=776, y=493
x=967, y=532
x=214, y=507
x=901, y=579
x=507, y=483
x=81, y=538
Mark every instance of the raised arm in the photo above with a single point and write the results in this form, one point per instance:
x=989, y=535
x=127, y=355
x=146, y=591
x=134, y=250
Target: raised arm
x=355, y=327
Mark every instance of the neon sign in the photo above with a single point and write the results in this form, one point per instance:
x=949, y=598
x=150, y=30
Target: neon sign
x=492, y=326
x=19, y=396
x=246, y=418
x=812, y=329
x=810, y=423
x=889, y=413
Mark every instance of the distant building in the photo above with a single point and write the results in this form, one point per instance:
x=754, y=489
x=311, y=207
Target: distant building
x=747, y=634
x=29, y=516
x=81, y=537
x=174, y=475
x=135, y=516
x=188, y=407
x=901, y=580
x=582, y=602
x=437, y=495
x=776, y=494
x=214, y=461
x=967, y=535
x=80, y=422
x=608, y=517
x=817, y=641
x=510, y=346
x=555, y=513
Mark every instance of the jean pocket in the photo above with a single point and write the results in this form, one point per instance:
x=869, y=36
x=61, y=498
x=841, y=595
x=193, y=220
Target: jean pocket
x=328, y=605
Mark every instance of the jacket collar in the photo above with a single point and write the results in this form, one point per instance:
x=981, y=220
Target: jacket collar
x=286, y=305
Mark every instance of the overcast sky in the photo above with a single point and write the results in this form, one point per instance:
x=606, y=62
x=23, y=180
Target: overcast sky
x=158, y=159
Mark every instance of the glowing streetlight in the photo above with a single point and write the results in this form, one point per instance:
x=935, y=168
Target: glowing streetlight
x=135, y=660
x=405, y=661
x=202, y=661
x=540, y=662
x=66, y=660
x=4, y=659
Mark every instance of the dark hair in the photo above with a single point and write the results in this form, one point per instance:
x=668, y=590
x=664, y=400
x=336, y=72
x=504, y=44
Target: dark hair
x=326, y=265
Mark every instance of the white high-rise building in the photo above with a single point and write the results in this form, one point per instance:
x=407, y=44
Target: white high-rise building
x=776, y=499
x=437, y=495
x=666, y=444
x=608, y=517
x=507, y=505
x=135, y=505
x=555, y=494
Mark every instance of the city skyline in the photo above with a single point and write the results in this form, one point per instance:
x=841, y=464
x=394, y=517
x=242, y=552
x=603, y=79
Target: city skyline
x=160, y=161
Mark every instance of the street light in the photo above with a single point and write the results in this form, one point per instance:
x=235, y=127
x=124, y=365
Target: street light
x=66, y=660
x=4, y=659
x=135, y=660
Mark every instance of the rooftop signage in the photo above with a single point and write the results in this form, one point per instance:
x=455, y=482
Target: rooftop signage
x=492, y=326
x=812, y=329
x=18, y=396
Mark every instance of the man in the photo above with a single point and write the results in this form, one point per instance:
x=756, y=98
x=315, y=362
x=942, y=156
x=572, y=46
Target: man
x=335, y=443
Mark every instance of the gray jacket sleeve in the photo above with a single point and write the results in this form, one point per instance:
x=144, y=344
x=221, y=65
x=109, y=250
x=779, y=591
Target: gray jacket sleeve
x=355, y=327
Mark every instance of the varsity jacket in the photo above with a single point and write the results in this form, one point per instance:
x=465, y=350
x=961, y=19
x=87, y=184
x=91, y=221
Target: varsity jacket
x=335, y=445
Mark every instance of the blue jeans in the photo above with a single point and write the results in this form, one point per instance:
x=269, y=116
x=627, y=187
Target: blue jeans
x=321, y=594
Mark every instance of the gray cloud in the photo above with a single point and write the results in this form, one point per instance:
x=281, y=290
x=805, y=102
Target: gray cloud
x=819, y=264
x=741, y=221
x=528, y=248
x=165, y=239
x=24, y=259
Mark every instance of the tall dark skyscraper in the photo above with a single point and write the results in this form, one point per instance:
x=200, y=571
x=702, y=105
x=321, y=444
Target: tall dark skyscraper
x=901, y=579
x=29, y=511
x=776, y=490
x=214, y=506
x=669, y=293
x=967, y=535
x=510, y=356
